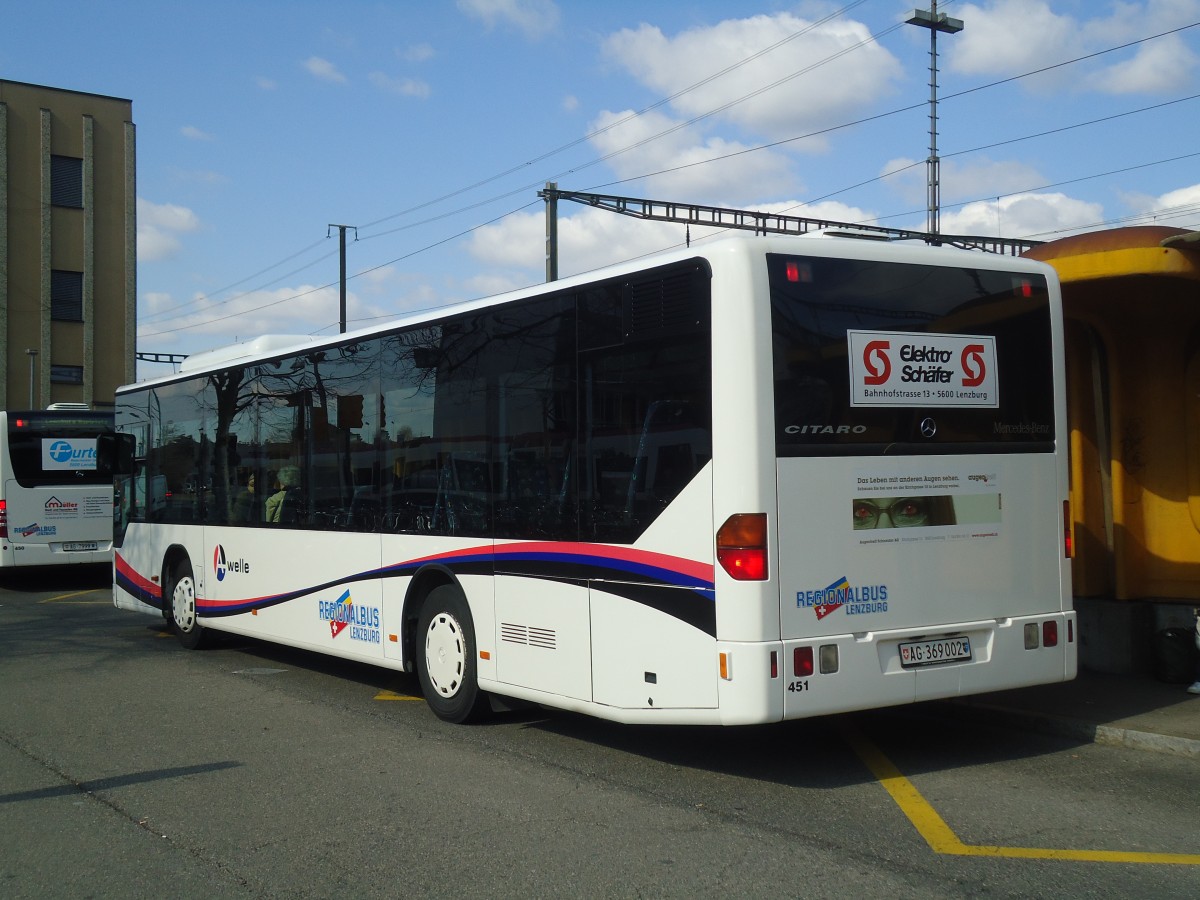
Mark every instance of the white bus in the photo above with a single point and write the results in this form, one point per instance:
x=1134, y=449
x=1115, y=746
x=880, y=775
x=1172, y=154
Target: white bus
x=769, y=479
x=56, y=487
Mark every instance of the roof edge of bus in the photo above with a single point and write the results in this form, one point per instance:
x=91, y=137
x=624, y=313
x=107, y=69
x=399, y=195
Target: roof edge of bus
x=258, y=346
x=274, y=345
x=862, y=234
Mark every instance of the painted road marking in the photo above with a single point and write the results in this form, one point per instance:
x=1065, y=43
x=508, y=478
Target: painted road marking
x=941, y=839
x=61, y=597
x=392, y=695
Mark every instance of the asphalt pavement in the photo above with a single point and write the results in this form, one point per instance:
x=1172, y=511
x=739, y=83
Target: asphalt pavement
x=1135, y=711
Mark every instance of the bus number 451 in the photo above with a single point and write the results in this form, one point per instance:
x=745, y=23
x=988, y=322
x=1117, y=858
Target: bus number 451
x=795, y=687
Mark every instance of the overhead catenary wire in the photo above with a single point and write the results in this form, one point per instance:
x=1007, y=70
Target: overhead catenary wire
x=624, y=119
x=445, y=240
x=726, y=106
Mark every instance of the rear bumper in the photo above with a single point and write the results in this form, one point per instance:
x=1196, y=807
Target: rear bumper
x=15, y=553
x=870, y=674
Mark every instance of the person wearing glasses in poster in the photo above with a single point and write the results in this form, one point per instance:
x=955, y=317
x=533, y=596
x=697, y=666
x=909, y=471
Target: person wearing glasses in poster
x=902, y=512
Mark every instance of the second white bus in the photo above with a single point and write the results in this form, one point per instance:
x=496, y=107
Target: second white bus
x=56, y=487
x=769, y=479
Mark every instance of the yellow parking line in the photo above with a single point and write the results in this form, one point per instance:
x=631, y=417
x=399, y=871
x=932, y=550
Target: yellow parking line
x=61, y=597
x=392, y=695
x=941, y=839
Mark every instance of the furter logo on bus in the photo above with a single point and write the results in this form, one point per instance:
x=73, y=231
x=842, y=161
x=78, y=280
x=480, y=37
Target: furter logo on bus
x=221, y=565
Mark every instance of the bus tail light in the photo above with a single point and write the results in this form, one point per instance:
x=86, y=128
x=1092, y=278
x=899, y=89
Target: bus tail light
x=1068, y=543
x=742, y=546
x=802, y=662
x=1031, y=636
x=1049, y=634
x=3, y=518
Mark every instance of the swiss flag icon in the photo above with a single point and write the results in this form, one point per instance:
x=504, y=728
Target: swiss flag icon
x=335, y=628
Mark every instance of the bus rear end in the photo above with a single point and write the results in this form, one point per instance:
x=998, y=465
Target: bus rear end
x=919, y=418
x=56, y=488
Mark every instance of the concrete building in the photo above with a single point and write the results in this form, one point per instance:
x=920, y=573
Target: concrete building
x=68, y=246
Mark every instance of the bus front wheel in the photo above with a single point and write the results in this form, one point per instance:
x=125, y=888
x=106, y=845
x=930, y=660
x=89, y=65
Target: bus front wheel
x=446, y=657
x=190, y=632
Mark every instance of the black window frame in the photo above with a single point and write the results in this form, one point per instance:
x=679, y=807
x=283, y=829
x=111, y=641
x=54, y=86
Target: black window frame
x=472, y=425
x=813, y=311
x=66, y=181
x=66, y=295
x=64, y=374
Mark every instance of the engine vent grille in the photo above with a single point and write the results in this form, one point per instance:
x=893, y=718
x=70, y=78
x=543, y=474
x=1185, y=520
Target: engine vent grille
x=529, y=635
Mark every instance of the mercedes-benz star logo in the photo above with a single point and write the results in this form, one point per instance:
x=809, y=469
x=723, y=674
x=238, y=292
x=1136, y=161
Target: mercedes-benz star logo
x=928, y=428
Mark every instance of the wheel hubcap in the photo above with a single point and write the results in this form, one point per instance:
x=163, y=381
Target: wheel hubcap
x=183, y=605
x=445, y=655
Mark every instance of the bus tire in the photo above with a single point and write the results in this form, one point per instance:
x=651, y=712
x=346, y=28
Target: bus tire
x=446, y=657
x=182, y=597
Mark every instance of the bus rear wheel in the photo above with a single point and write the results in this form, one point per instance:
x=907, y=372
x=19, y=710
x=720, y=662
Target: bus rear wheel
x=446, y=657
x=188, y=630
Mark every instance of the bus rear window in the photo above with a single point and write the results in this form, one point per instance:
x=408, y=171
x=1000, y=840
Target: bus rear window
x=46, y=448
x=883, y=357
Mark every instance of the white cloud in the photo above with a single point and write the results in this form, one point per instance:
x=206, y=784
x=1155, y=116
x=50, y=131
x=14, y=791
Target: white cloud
x=158, y=228
x=834, y=83
x=417, y=53
x=1179, y=208
x=533, y=18
x=1044, y=216
x=570, y=103
x=1012, y=37
x=405, y=87
x=593, y=238
x=1159, y=66
x=678, y=155
x=1129, y=20
x=266, y=84
x=974, y=177
x=193, y=133
x=324, y=70
x=299, y=309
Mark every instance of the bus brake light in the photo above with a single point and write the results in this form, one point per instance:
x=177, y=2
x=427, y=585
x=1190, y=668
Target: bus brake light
x=802, y=662
x=1049, y=634
x=742, y=546
x=3, y=518
x=1068, y=543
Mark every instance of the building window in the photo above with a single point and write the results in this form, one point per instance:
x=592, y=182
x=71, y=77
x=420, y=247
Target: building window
x=66, y=296
x=66, y=374
x=66, y=181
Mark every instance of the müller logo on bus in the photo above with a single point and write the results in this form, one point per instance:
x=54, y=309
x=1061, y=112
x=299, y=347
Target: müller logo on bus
x=221, y=565
x=931, y=364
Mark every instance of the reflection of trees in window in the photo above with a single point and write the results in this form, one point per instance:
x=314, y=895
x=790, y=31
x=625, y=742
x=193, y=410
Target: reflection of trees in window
x=182, y=449
x=532, y=355
x=573, y=414
x=645, y=372
x=232, y=398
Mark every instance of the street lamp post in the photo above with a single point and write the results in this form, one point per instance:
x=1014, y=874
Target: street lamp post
x=935, y=22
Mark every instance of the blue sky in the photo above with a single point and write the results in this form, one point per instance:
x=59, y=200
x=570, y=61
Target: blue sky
x=431, y=125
